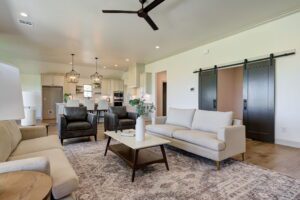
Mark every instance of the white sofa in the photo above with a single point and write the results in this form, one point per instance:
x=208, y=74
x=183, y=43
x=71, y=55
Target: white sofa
x=211, y=134
x=30, y=148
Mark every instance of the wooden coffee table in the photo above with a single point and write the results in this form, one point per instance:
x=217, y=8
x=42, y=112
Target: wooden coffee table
x=137, y=154
x=25, y=185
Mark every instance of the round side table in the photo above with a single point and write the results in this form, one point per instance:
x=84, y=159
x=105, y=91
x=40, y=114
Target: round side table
x=25, y=185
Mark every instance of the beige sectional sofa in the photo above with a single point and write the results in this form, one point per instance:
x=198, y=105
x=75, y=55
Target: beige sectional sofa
x=211, y=134
x=30, y=148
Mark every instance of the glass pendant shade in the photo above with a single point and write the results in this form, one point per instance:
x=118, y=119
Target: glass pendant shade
x=72, y=76
x=96, y=77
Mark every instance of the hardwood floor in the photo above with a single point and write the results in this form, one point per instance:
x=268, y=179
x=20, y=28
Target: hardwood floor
x=276, y=157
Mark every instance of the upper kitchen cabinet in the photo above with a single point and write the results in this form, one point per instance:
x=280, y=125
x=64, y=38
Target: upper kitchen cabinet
x=52, y=80
x=134, y=75
x=106, y=87
x=146, y=83
x=117, y=85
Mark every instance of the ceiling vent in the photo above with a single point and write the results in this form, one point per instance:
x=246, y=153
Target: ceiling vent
x=28, y=23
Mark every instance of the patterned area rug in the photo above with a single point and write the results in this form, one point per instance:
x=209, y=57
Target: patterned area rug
x=190, y=177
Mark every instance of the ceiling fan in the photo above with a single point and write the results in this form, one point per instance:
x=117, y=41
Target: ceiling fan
x=143, y=12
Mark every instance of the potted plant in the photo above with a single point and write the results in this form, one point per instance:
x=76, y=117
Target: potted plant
x=67, y=97
x=142, y=109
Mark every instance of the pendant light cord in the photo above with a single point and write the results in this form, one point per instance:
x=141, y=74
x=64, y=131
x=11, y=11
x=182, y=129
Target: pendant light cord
x=96, y=64
x=72, y=60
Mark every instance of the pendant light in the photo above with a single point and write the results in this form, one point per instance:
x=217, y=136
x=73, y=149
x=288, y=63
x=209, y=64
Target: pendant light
x=96, y=77
x=72, y=76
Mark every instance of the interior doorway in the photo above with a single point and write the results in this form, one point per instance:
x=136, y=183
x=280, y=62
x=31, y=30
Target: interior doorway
x=230, y=91
x=51, y=95
x=161, y=93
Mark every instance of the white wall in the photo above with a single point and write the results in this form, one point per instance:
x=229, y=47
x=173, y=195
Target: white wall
x=276, y=36
x=32, y=83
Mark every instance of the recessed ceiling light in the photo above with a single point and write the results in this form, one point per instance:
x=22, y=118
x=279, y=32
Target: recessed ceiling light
x=24, y=14
x=116, y=65
x=127, y=60
x=157, y=47
x=104, y=67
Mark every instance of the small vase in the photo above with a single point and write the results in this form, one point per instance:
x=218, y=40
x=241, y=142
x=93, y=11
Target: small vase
x=140, y=129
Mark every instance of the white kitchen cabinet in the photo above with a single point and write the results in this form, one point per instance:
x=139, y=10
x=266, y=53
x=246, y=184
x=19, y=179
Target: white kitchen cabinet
x=52, y=80
x=134, y=75
x=70, y=88
x=117, y=85
x=106, y=87
x=146, y=83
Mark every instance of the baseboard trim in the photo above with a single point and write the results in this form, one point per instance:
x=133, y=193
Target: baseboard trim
x=287, y=143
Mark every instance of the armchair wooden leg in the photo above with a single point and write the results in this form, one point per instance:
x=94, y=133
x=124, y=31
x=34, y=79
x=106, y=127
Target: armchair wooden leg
x=243, y=156
x=95, y=137
x=62, y=141
x=218, y=164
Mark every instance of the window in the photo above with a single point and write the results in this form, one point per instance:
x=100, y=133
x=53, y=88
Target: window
x=87, y=91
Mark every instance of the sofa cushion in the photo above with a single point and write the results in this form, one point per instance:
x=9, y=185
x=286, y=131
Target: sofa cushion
x=74, y=114
x=164, y=129
x=126, y=122
x=5, y=142
x=204, y=139
x=74, y=126
x=65, y=181
x=37, y=144
x=180, y=117
x=14, y=131
x=211, y=121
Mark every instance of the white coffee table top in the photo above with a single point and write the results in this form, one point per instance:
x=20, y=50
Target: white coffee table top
x=150, y=140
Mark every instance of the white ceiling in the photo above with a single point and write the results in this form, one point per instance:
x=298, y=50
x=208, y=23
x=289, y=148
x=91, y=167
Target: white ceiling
x=61, y=27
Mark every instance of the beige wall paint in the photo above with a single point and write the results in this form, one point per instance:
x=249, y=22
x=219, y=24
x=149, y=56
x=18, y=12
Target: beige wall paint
x=160, y=78
x=276, y=36
x=230, y=91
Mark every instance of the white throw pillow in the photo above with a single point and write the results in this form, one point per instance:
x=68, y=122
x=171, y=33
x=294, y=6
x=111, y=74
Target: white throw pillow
x=211, y=121
x=180, y=117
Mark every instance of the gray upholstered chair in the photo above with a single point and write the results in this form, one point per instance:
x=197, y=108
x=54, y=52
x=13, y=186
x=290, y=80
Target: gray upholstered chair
x=77, y=122
x=117, y=118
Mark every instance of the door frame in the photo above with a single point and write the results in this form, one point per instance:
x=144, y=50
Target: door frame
x=45, y=86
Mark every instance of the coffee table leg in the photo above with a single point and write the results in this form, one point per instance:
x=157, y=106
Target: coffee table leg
x=136, y=154
x=107, y=145
x=164, y=156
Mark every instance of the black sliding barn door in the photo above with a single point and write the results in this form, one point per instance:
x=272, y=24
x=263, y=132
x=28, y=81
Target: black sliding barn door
x=208, y=89
x=259, y=100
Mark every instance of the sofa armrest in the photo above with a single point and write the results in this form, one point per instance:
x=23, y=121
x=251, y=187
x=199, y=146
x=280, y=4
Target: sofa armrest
x=62, y=124
x=40, y=164
x=92, y=119
x=234, y=138
x=132, y=115
x=237, y=122
x=111, y=121
x=31, y=132
x=159, y=120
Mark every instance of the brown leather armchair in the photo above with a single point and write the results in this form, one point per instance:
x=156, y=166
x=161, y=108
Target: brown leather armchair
x=77, y=122
x=117, y=118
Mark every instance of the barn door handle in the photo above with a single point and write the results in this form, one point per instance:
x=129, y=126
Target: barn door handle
x=215, y=103
x=245, y=104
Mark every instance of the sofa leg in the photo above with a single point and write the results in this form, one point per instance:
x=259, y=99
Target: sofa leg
x=218, y=164
x=243, y=156
x=95, y=137
x=62, y=141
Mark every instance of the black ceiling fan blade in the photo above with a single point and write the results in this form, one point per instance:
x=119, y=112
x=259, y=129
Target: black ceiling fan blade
x=151, y=22
x=153, y=5
x=119, y=11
